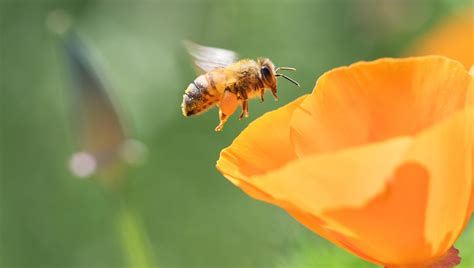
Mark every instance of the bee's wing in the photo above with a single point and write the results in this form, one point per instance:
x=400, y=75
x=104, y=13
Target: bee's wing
x=209, y=58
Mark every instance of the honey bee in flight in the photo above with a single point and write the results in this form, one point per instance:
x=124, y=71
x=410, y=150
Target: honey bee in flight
x=228, y=82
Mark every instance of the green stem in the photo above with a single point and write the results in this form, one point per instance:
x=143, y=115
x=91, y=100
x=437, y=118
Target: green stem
x=136, y=246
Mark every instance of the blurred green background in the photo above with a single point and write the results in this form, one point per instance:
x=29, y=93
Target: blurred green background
x=175, y=210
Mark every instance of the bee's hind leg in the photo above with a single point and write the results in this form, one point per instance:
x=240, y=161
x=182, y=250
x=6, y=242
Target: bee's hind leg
x=223, y=118
x=227, y=107
x=245, y=109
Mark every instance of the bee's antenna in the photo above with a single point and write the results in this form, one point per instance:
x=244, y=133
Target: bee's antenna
x=289, y=79
x=285, y=68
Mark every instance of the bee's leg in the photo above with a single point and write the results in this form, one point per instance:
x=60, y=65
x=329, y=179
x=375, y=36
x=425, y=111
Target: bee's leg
x=245, y=109
x=223, y=118
x=227, y=107
x=262, y=92
x=274, y=92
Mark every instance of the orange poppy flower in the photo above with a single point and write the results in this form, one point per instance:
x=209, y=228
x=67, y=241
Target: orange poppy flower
x=453, y=38
x=377, y=159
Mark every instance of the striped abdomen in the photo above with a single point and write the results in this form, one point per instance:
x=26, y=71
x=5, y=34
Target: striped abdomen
x=199, y=96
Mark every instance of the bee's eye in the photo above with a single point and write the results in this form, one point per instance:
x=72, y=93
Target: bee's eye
x=265, y=71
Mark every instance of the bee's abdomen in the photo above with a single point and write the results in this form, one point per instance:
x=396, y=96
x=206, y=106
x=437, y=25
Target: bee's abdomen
x=198, y=97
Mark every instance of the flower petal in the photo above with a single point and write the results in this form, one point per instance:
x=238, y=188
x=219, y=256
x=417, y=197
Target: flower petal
x=454, y=38
x=335, y=180
x=263, y=146
x=310, y=186
x=426, y=205
x=402, y=201
x=471, y=102
x=389, y=227
x=374, y=101
x=446, y=151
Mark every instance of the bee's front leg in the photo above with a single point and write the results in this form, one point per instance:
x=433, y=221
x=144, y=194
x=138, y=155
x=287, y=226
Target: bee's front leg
x=262, y=92
x=227, y=107
x=274, y=92
x=245, y=109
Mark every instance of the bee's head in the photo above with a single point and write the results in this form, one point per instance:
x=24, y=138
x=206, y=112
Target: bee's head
x=268, y=73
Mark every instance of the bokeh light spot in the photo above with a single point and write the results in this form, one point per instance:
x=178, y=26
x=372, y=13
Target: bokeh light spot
x=82, y=164
x=58, y=21
x=133, y=152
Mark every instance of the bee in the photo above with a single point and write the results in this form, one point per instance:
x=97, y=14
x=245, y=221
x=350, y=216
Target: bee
x=228, y=82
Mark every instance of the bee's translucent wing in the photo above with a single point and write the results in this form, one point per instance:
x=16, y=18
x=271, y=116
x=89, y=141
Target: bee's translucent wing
x=209, y=58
